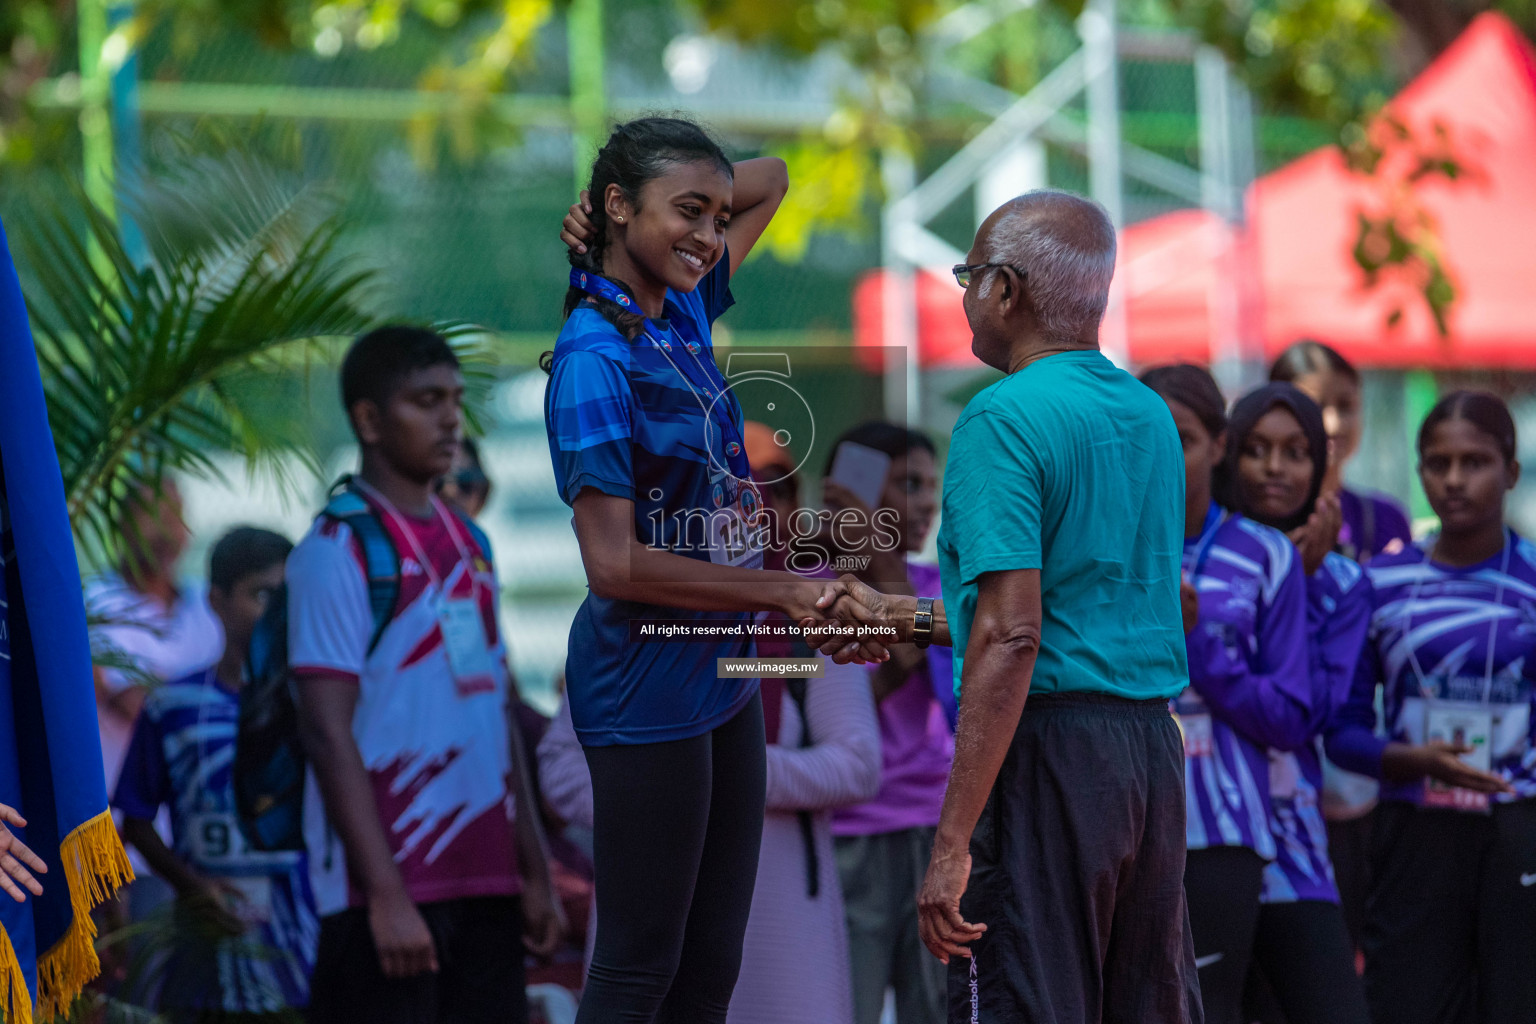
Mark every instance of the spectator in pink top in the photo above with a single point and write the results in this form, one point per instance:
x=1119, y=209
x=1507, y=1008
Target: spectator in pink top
x=883, y=845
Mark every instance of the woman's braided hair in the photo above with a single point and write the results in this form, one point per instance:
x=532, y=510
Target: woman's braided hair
x=638, y=151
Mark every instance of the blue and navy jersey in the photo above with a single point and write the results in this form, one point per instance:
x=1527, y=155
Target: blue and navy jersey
x=632, y=420
x=1438, y=632
x=1338, y=612
x=1248, y=679
x=182, y=755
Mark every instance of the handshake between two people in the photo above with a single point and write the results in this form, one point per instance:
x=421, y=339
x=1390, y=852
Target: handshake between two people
x=854, y=622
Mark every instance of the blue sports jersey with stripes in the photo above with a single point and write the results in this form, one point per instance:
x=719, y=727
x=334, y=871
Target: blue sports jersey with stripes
x=182, y=754
x=1452, y=646
x=1338, y=612
x=1249, y=685
x=639, y=421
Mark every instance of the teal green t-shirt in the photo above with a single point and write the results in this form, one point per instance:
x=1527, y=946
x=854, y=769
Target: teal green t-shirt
x=1073, y=467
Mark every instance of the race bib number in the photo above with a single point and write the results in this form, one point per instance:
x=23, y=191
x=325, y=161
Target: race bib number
x=469, y=656
x=216, y=840
x=1198, y=739
x=1466, y=725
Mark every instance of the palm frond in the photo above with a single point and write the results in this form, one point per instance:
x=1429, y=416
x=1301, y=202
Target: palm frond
x=147, y=369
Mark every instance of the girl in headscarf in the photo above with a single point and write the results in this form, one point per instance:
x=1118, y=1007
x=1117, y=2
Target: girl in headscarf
x=1277, y=457
x=1245, y=616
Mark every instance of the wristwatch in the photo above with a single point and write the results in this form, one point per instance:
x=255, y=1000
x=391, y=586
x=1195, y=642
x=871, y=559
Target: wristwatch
x=922, y=623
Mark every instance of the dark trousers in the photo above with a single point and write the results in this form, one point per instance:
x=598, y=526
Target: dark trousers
x=1450, y=931
x=1304, y=967
x=479, y=945
x=1223, y=884
x=677, y=831
x=1349, y=848
x=1077, y=869
x=881, y=875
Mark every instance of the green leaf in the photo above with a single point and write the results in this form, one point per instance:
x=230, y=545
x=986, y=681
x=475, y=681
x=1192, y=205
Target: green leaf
x=148, y=369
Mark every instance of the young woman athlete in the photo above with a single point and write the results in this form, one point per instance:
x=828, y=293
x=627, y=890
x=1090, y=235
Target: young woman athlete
x=648, y=450
x=1245, y=616
x=1450, y=931
x=1371, y=524
x=1277, y=456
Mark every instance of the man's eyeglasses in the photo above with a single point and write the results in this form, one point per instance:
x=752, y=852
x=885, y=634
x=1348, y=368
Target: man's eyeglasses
x=963, y=271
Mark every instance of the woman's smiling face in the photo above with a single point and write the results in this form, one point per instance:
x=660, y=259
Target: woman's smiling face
x=1274, y=466
x=676, y=233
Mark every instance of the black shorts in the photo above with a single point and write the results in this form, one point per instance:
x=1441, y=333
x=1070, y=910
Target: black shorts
x=1077, y=870
x=480, y=969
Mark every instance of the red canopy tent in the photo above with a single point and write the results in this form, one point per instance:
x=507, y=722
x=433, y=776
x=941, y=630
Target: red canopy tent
x=1176, y=271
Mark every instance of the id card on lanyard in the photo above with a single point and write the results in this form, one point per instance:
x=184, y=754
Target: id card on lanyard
x=1474, y=725
x=459, y=619
x=1189, y=709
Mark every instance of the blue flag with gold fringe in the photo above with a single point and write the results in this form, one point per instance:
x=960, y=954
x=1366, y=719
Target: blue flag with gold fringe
x=50, y=749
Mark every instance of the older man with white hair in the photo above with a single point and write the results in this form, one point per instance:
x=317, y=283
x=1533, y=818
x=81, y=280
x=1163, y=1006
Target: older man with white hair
x=1062, y=833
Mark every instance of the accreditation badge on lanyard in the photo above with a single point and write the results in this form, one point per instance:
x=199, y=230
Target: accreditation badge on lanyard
x=464, y=641
x=1480, y=727
x=459, y=619
x=1189, y=708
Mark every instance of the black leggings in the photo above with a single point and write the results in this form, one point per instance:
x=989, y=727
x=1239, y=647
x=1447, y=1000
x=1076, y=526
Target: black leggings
x=676, y=833
x=1304, y=967
x=1222, y=886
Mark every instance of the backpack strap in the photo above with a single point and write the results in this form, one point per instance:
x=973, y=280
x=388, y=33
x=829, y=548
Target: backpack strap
x=476, y=534
x=380, y=559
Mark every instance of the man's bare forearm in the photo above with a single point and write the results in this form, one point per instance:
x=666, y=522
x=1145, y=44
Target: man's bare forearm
x=995, y=685
x=344, y=786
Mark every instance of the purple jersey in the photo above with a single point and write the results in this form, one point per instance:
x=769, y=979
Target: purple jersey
x=1371, y=524
x=1452, y=647
x=1249, y=686
x=1338, y=612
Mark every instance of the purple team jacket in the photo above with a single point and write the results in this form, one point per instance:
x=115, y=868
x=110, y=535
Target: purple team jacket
x=1248, y=670
x=1338, y=613
x=1431, y=630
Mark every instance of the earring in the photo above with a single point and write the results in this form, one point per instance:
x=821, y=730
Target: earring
x=619, y=219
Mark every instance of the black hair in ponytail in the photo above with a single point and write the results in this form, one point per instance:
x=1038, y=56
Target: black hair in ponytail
x=638, y=151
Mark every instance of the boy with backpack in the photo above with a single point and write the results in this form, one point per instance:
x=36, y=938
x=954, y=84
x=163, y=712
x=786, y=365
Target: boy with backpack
x=246, y=926
x=426, y=853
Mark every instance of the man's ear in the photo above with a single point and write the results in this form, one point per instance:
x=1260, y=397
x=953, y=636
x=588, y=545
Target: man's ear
x=367, y=420
x=1011, y=290
x=1514, y=473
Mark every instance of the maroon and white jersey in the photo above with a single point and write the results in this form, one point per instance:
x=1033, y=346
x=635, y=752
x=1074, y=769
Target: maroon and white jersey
x=435, y=746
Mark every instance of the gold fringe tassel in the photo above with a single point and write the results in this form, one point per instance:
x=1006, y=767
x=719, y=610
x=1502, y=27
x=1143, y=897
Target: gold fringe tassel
x=95, y=864
x=15, y=1000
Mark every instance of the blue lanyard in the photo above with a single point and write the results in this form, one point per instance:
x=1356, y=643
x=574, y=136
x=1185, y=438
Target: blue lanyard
x=1214, y=519
x=735, y=448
